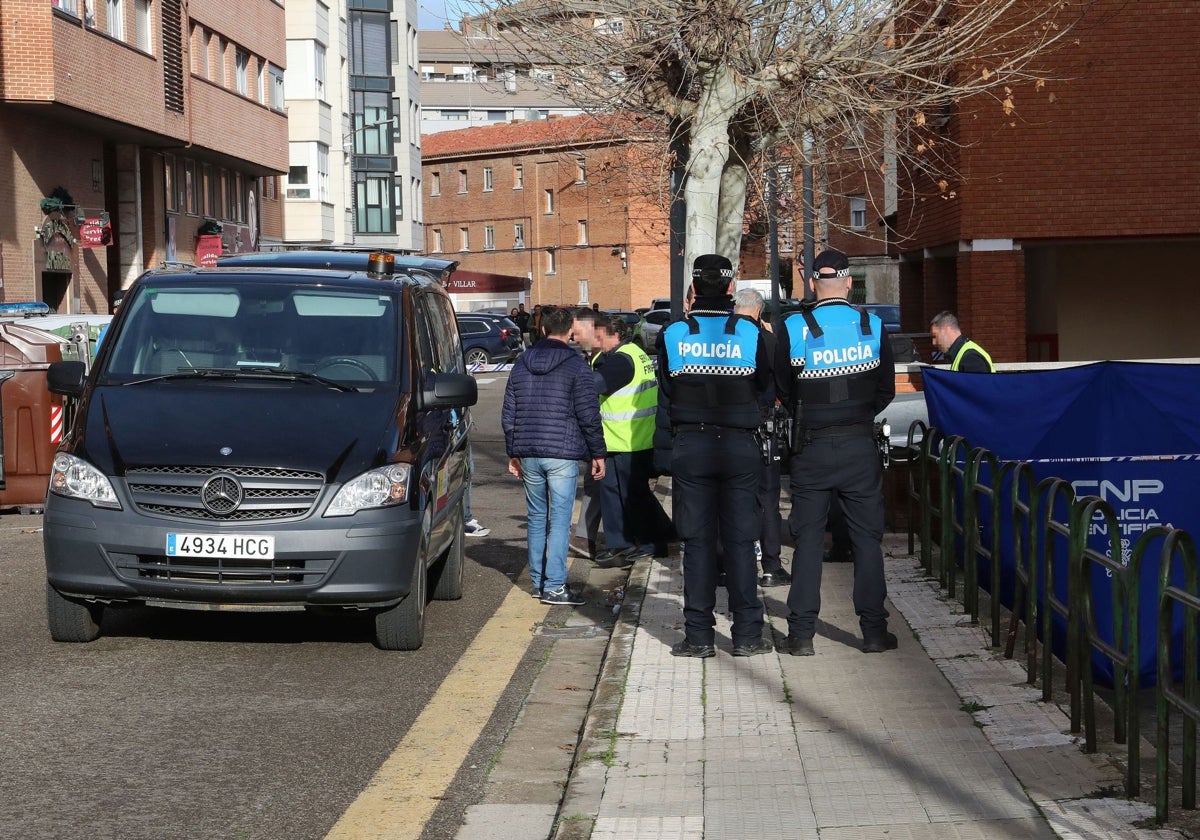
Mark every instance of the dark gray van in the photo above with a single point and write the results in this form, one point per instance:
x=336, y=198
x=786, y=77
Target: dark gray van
x=256, y=438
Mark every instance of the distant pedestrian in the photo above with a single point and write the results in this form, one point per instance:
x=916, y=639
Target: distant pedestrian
x=714, y=369
x=964, y=354
x=522, y=318
x=551, y=422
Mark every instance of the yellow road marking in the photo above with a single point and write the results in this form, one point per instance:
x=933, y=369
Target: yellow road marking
x=403, y=793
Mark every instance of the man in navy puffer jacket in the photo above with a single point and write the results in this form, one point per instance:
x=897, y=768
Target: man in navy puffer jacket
x=551, y=421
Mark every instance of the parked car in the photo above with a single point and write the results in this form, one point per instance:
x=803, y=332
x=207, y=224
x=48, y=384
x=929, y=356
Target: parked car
x=633, y=319
x=653, y=322
x=264, y=439
x=488, y=338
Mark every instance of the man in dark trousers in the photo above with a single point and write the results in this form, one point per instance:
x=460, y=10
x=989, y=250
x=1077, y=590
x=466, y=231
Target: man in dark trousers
x=521, y=318
x=835, y=370
x=635, y=524
x=714, y=368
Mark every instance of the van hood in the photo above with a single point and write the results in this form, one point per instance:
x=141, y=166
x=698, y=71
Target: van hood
x=246, y=423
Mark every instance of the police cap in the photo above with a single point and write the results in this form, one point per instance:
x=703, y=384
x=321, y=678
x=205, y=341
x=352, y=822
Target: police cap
x=834, y=263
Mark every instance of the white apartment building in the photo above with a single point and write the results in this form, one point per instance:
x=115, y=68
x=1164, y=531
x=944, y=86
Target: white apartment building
x=352, y=93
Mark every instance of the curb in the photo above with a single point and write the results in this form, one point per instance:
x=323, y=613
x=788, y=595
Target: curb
x=580, y=803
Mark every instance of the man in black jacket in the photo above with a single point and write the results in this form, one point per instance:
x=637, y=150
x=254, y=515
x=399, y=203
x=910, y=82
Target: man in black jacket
x=551, y=422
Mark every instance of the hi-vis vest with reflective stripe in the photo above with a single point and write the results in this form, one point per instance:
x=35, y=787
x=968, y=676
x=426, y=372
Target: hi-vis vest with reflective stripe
x=627, y=414
x=971, y=345
x=833, y=340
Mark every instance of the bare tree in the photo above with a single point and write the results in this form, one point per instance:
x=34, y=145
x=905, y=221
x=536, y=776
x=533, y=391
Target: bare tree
x=731, y=79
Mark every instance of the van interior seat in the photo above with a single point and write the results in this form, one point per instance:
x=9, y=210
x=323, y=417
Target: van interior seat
x=190, y=342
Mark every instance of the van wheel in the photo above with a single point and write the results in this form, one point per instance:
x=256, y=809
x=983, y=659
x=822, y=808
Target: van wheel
x=477, y=356
x=402, y=627
x=70, y=620
x=449, y=570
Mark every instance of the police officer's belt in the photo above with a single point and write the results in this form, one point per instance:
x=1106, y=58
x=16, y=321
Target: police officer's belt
x=841, y=431
x=708, y=427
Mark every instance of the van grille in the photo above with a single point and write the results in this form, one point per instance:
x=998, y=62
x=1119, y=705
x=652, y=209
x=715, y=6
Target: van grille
x=223, y=571
x=267, y=494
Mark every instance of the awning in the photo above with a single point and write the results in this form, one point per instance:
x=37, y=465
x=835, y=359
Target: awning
x=464, y=281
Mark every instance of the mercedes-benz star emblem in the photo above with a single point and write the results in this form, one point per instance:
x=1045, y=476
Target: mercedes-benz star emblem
x=221, y=494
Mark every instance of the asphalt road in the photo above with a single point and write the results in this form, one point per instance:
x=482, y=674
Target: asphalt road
x=237, y=725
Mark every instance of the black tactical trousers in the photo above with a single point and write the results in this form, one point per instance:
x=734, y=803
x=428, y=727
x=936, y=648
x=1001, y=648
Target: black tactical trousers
x=848, y=467
x=715, y=477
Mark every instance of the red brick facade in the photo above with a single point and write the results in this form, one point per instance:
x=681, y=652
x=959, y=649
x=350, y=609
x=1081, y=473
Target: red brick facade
x=99, y=115
x=590, y=234
x=1074, y=195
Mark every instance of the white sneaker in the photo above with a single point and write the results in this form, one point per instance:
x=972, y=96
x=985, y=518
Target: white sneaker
x=472, y=528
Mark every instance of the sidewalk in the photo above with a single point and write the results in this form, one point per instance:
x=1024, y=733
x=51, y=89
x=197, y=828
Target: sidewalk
x=939, y=739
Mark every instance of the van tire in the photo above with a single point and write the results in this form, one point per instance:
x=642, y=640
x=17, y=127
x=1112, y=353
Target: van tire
x=71, y=620
x=449, y=570
x=402, y=627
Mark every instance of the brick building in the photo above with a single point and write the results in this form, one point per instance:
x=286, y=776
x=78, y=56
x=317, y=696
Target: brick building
x=572, y=204
x=1074, y=232
x=145, y=120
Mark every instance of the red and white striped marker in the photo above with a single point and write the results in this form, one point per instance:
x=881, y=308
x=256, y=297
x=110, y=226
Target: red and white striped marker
x=56, y=424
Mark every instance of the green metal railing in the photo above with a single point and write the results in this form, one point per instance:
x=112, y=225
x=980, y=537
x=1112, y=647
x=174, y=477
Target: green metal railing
x=967, y=484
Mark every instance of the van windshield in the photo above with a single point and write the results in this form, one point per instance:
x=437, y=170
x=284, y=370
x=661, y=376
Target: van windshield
x=344, y=335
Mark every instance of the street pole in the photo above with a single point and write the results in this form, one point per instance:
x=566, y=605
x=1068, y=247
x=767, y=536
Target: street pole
x=773, y=232
x=806, y=201
x=678, y=218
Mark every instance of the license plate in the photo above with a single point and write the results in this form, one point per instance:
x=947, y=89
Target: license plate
x=230, y=546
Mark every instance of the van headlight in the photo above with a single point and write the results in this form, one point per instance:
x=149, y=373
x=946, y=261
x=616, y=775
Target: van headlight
x=382, y=487
x=77, y=479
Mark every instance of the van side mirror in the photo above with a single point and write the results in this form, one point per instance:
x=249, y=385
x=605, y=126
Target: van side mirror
x=449, y=390
x=66, y=378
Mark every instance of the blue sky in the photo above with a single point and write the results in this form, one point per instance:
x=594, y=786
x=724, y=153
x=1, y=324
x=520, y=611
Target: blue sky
x=433, y=14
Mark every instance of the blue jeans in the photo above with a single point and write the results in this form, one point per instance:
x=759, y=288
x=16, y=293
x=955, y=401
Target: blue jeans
x=550, y=501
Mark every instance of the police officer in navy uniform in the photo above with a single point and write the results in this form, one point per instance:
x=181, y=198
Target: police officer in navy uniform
x=713, y=369
x=834, y=368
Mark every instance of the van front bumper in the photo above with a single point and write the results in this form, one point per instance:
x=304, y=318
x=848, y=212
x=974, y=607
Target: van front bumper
x=365, y=560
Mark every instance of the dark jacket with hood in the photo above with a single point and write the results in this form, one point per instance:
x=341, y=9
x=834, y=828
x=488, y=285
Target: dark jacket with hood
x=551, y=408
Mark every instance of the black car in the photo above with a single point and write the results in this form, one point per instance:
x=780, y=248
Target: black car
x=342, y=258
x=488, y=338
x=267, y=439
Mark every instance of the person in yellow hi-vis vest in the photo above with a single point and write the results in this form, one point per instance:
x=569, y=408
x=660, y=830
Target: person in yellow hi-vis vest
x=635, y=524
x=963, y=354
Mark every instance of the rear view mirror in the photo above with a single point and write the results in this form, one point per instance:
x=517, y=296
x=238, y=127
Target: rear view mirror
x=66, y=378
x=449, y=390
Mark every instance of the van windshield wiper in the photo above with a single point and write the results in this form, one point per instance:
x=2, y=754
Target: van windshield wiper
x=246, y=372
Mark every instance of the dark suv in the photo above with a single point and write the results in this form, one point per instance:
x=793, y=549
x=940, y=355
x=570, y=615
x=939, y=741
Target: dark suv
x=489, y=338
x=264, y=439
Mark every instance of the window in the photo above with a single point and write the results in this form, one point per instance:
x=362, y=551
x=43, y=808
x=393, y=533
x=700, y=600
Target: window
x=583, y=292
x=581, y=171
x=191, y=188
x=550, y=262
x=542, y=75
x=518, y=235
x=239, y=208
x=454, y=115
x=373, y=199
x=549, y=201
x=518, y=177
x=398, y=189
x=71, y=7
x=489, y=238
x=298, y=182
x=372, y=115
x=497, y=116
x=370, y=53
x=204, y=187
x=322, y=172
x=487, y=179
x=116, y=19
x=241, y=61
x=319, y=69
x=276, y=74
x=231, y=197
x=435, y=183
x=438, y=244
x=583, y=232
x=462, y=180
x=143, y=25
x=464, y=239
x=858, y=212
x=212, y=183
x=169, y=182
